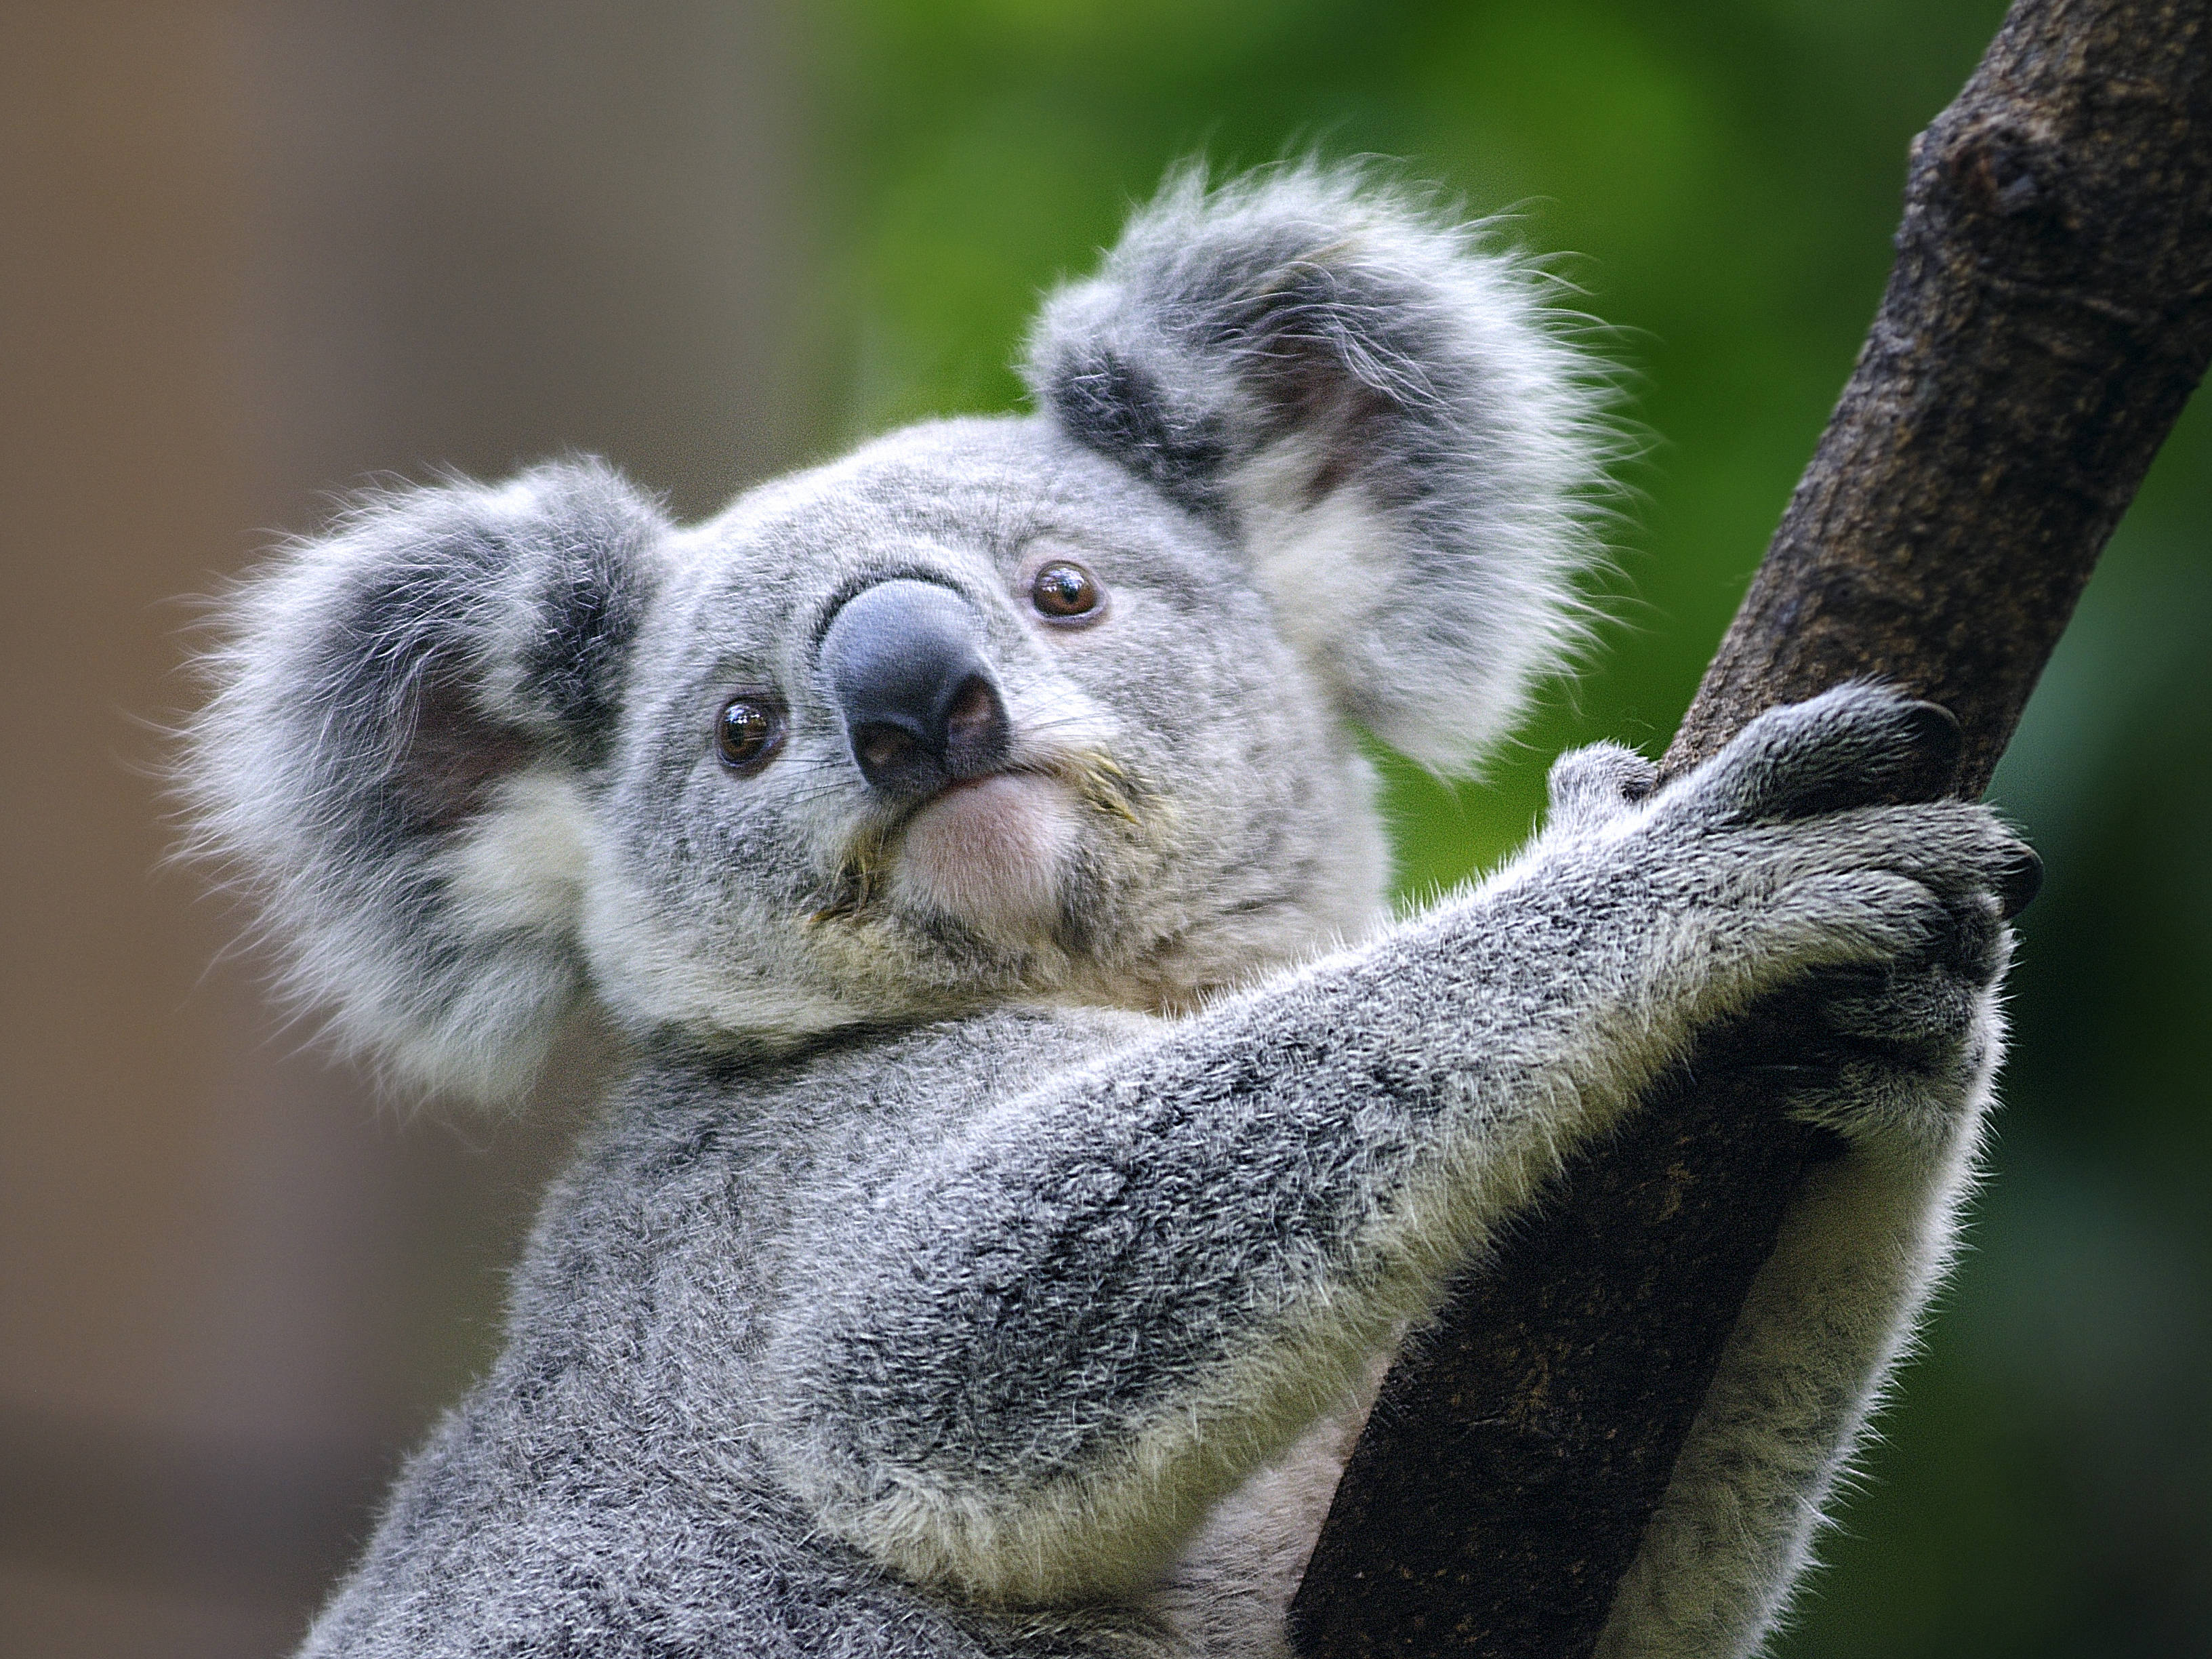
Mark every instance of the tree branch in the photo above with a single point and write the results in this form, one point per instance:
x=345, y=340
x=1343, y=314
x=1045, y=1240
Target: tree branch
x=2049, y=314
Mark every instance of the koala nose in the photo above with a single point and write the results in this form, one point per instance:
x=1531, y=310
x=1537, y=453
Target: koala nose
x=920, y=708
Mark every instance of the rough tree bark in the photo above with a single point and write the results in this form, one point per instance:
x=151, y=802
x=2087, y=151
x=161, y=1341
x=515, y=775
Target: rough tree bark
x=2049, y=313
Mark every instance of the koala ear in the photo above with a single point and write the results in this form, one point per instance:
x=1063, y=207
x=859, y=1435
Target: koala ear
x=406, y=713
x=1381, y=411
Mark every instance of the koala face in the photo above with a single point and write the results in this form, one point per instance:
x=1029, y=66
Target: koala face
x=1057, y=705
x=973, y=713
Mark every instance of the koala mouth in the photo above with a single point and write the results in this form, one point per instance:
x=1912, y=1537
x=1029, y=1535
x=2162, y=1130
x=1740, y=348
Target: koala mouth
x=988, y=851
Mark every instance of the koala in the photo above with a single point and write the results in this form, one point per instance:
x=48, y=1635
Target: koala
x=1034, y=1132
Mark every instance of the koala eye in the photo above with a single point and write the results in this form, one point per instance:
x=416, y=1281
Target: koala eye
x=749, y=732
x=1064, y=592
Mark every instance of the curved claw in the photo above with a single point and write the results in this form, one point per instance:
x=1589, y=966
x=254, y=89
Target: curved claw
x=1856, y=746
x=1933, y=734
x=2020, y=882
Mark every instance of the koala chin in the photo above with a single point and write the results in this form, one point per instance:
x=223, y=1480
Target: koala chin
x=1035, y=1134
x=987, y=855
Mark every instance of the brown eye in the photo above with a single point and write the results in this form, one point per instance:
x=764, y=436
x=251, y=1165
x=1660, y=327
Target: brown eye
x=749, y=732
x=1064, y=592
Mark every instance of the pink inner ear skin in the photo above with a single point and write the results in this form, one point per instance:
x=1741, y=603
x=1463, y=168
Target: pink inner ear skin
x=989, y=852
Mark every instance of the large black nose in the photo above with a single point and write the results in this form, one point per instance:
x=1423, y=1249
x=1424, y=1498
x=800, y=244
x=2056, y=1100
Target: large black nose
x=906, y=667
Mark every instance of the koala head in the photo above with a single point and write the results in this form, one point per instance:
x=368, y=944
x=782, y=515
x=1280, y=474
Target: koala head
x=1058, y=705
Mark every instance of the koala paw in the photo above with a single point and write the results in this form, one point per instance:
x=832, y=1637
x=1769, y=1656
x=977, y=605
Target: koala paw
x=1825, y=815
x=1594, y=785
x=1899, y=1057
x=1856, y=746
x=1813, y=848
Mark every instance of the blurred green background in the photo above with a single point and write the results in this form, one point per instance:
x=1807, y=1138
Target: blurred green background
x=1724, y=179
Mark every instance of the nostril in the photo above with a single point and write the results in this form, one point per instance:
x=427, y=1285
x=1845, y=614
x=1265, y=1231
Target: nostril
x=974, y=728
x=973, y=708
x=883, y=750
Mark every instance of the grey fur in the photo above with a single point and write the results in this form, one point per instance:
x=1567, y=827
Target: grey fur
x=1388, y=405
x=993, y=1246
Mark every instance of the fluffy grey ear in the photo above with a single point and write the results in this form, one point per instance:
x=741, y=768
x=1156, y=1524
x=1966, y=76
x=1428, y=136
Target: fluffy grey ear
x=406, y=715
x=1383, y=409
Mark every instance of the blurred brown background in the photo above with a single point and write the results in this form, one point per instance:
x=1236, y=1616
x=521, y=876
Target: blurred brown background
x=249, y=253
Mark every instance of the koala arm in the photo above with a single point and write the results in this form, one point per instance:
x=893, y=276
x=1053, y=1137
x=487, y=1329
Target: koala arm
x=1867, y=1239
x=1827, y=1316
x=1029, y=1359
x=1026, y=1360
